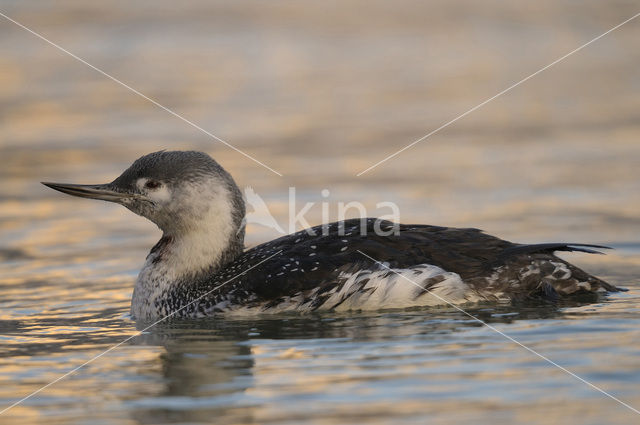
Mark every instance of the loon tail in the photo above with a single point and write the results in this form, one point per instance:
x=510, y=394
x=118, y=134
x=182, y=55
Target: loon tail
x=550, y=248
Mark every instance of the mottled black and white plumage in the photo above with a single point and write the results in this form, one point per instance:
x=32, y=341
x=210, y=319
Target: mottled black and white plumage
x=200, y=268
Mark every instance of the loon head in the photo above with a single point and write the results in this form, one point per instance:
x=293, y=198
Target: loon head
x=196, y=204
x=182, y=192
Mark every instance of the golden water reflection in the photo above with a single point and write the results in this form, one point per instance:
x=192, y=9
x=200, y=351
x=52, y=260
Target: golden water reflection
x=319, y=91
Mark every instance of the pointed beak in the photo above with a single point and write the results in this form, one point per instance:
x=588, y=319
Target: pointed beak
x=103, y=192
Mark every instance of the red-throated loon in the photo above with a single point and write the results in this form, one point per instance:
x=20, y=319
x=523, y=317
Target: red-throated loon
x=200, y=268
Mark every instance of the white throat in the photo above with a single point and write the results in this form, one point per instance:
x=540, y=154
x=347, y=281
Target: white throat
x=183, y=255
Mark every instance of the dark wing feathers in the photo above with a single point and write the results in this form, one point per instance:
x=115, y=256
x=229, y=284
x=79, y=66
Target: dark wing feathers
x=551, y=248
x=315, y=262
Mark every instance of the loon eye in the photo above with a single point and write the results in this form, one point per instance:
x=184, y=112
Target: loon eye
x=152, y=184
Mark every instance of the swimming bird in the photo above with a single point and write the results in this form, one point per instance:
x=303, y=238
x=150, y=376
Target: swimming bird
x=200, y=266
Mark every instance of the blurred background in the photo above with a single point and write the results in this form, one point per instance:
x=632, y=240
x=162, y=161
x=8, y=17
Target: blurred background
x=318, y=91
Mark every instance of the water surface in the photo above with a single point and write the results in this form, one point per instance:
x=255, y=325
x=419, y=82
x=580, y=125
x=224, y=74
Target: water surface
x=320, y=91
